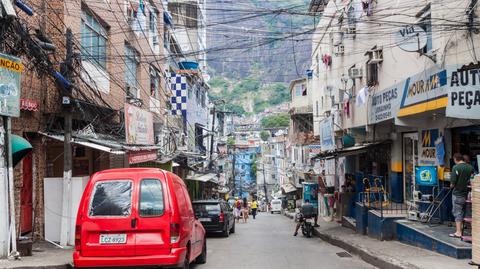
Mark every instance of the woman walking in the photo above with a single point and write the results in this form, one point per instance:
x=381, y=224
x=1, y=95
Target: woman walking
x=245, y=211
x=237, y=210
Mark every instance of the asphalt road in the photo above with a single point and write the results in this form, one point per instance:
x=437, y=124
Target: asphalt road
x=268, y=242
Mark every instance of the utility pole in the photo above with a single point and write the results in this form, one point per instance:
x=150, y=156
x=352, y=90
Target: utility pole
x=212, y=136
x=265, y=182
x=67, y=147
x=233, y=168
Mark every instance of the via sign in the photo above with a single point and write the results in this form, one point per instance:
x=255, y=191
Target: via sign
x=411, y=38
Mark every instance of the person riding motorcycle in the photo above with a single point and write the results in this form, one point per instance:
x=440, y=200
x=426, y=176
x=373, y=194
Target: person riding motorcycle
x=306, y=211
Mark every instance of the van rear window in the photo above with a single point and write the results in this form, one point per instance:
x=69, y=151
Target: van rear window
x=151, y=198
x=111, y=198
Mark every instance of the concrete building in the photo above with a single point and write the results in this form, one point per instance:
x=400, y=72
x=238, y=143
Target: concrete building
x=386, y=81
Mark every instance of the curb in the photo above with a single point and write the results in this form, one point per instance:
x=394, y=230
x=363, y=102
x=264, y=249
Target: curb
x=364, y=254
x=62, y=266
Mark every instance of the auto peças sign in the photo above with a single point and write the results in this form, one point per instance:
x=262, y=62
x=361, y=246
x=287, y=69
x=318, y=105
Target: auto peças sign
x=464, y=93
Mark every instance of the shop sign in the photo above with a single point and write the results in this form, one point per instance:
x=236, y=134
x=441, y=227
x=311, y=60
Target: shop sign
x=141, y=156
x=10, y=75
x=327, y=135
x=29, y=105
x=313, y=150
x=427, y=149
x=424, y=92
x=385, y=104
x=411, y=38
x=464, y=94
x=138, y=126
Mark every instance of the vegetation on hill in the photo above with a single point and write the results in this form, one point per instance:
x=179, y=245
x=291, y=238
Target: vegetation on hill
x=276, y=121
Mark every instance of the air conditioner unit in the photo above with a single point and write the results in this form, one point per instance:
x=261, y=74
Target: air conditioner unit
x=339, y=50
x=132, y=92
x=376, y=56
x=352, y=30
x=355, y=72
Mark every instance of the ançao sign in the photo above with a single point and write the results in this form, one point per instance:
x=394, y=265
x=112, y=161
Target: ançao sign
x=10, y=75
x=464, y=94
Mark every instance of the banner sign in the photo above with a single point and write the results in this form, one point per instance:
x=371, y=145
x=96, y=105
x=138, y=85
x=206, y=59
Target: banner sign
x=327, y=135
x=313, y=150
x=10, y=75
x=464, y=93
x=310, y=193
x=385, y=104
x=138, y=126
x=427, y=150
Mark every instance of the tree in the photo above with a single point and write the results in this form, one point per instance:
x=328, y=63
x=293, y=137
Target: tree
x=265, y=135
x=276, y=121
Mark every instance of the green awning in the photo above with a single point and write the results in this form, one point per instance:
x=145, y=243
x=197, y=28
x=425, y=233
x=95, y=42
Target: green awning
x=20, y=148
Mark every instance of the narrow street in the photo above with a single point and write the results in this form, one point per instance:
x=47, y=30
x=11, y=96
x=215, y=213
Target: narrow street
x=267, y=242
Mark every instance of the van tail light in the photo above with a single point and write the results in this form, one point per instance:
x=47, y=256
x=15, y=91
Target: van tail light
x=78, y=231
x=222, y=217
x=174, y=233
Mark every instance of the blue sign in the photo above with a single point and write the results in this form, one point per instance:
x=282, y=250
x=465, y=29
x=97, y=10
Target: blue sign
x=327, y=135
x=426, y=176
x=310, y=193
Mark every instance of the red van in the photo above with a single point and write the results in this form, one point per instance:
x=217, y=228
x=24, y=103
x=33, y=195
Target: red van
x=137, y=217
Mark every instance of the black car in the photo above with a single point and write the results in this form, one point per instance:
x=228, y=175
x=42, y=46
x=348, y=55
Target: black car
x=215, y=216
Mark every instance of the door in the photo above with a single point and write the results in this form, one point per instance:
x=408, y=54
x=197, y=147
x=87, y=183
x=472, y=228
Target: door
x=26, y=196
x=153, y=225
x=410, y=161
x=109, y=228
x=196, y=236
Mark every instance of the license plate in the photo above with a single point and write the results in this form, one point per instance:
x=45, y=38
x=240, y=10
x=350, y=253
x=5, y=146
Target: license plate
x=109, y=239
x=309, y=220
x=205, y=219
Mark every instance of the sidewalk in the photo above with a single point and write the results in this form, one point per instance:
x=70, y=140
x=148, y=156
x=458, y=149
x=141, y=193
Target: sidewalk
x=44, y=256
x=384, y=254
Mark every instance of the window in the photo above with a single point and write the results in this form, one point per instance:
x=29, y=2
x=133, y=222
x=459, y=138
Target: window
x=94, y=40
x=372, y=74
x=111, y=198
x=154, y=82
x=298, y=90
x=304, y=90
x=151, y=198
x=191, y=15
x=131, y=66
x=425, y=22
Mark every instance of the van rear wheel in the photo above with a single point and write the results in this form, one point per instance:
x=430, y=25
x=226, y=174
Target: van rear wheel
x=202, y=259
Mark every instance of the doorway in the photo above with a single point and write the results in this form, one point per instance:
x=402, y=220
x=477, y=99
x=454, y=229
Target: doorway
x=26, y=196
x=410, y=160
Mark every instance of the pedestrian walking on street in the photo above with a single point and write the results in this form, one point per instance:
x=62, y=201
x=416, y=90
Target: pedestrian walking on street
x=460, y=178
x=254, y=208
x=237, y=210
x=245, y=211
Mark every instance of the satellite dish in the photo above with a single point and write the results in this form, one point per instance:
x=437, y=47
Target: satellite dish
x=346, y=83
x=411, y=38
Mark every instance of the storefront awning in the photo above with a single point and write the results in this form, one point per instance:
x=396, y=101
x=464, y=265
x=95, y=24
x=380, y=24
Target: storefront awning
x=288, y=188
x=204, y=177
x=351, y=150
x=105, y=145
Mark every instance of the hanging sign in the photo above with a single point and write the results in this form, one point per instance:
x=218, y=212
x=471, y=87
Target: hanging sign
x=138, y=126
x=327, y=135
x=427, y=150
x=464, y=93
x=10, y=75
x=141, y=156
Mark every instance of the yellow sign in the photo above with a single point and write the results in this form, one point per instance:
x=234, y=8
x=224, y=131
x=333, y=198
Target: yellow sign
x=11, y=65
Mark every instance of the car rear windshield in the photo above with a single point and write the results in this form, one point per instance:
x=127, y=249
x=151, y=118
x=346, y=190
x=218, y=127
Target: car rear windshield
x=206, y=208
x=111, y=198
